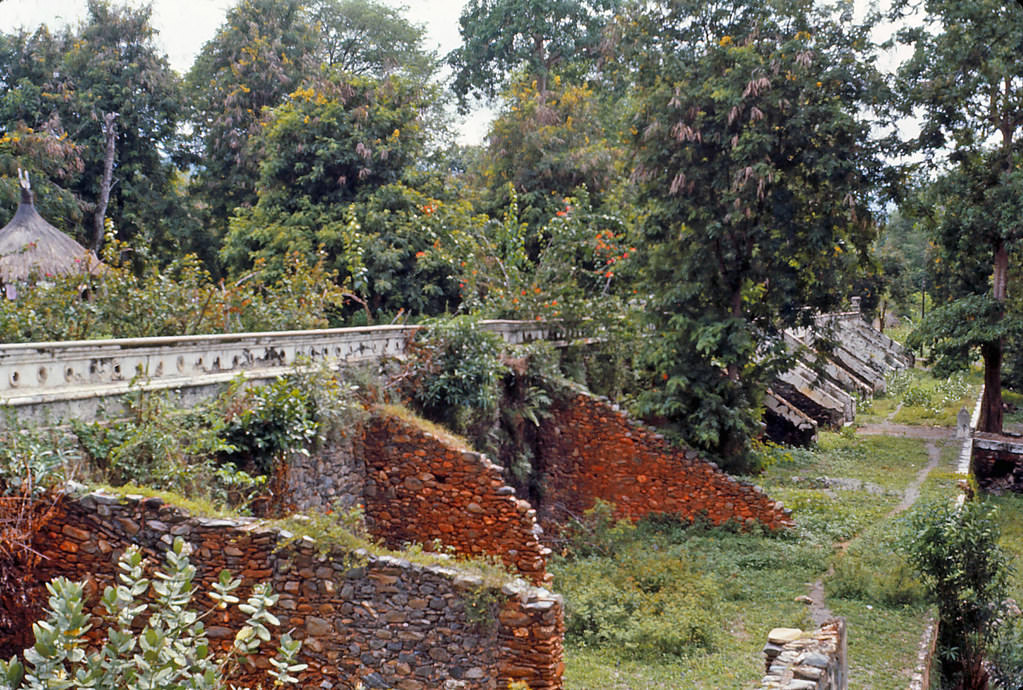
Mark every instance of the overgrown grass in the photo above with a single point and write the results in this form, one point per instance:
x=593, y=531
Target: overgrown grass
x=916, y=397
x=841, y=494
x=409, y=417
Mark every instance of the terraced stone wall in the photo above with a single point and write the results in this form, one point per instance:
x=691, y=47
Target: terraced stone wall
x=423, y=489
x=379, y=622
x=589, y=450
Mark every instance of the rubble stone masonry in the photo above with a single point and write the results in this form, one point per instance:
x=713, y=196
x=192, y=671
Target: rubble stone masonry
x=422, y=489
x=378, y=621
x=589, y=450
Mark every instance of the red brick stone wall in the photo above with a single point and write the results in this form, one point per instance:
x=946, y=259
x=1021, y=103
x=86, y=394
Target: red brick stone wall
x=421, y=489
x=589, y=450
x=384, y=622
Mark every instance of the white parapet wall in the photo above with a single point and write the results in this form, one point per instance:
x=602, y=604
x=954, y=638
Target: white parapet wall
x=76, y=379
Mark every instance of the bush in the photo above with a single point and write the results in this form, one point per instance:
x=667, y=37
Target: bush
x=170, y=651
x=265, y=422
x=956, y=552
x=456, y=372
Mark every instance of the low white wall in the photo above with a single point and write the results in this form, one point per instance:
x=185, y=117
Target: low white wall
x=77, y=378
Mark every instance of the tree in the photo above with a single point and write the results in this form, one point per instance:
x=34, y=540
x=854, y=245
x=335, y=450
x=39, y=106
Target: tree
x=369, y=39
x=546, y=148
x=536, y=36
x=335, y=154
x=261, y=53
x=755, y=155
x=965, y=81
x=81, y=82
x=266, y=50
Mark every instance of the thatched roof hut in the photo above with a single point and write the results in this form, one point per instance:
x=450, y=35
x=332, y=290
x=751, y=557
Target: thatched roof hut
x=29, y=246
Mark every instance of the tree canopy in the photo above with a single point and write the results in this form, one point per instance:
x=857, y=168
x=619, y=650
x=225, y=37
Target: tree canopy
x=965, y=81
x=756, y=158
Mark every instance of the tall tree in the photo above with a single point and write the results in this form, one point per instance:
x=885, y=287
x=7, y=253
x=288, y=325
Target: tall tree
x=265, y=50
x=546, y=149
x=80, y=82
x=965, y=80
x=367, y=38
x=755, y=154
x=260, y=54
x=539, y=37
x=329, y=148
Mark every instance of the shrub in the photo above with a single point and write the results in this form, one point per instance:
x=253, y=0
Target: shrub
x=264, y=422
x=956, y=552
x=169, y=651
x=456, y=372
x=644, y=603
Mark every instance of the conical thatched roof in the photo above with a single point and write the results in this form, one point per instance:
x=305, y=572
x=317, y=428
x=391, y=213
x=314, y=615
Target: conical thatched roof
x=31, y=246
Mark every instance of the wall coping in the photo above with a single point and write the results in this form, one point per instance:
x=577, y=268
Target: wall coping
x=75, y=377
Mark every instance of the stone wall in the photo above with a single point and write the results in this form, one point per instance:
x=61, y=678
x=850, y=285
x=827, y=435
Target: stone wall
x=589, y=450
x=423, y=489
x=796, y=660
x=998, y=462
x=382, y=621
x=331, y=476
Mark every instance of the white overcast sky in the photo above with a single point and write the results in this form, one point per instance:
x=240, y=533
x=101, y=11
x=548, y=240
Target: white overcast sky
x=185, y=25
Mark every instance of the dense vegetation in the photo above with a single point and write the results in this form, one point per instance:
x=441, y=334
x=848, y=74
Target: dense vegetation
x=682, y=179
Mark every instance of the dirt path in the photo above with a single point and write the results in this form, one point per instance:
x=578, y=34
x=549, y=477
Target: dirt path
x=819, y=611
x=931, y=433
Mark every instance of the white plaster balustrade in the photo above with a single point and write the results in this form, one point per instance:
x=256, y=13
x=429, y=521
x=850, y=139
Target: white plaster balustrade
x=75, y=379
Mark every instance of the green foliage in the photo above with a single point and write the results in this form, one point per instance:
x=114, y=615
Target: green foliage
x=541, y=38
x=334, y=156
x=169, y=650
x=180, y=299
x=258, y=55
x=370, y=38
x=648, y=604
x=198, y=452
x=267, y=421
x=956, y=552
x=1006, y=655
x=872, y=570
x=970, y=117
x=166, y=449
x=62, y=85
x=731, y=100
x=33, y=461
x=926, y=400
x=548, y=145
x=456, y=372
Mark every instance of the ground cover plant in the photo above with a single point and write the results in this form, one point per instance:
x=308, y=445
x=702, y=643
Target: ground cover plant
x=917, y=397
x=731, y=587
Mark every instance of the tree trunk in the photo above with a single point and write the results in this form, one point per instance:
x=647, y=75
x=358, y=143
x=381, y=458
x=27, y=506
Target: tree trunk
x=991, y=405
x=110, y=135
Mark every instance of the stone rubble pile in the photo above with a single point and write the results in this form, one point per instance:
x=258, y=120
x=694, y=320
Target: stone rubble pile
x=806, y=661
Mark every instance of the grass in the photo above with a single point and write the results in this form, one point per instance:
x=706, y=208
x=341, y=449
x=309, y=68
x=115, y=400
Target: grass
x=915, y=397
x=1009, y=508
x=409, y=417
x=841, y=494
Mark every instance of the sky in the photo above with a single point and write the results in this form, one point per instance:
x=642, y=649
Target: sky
x=185, y=25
